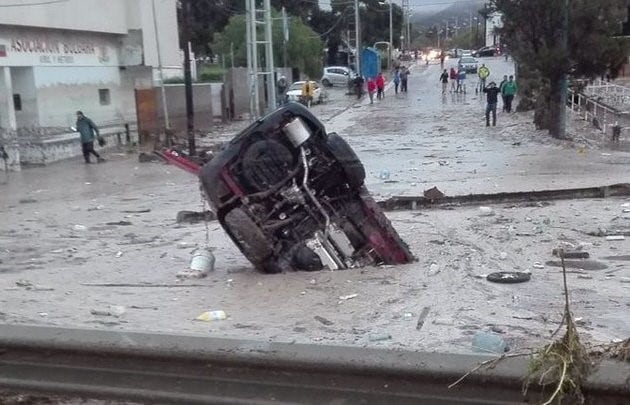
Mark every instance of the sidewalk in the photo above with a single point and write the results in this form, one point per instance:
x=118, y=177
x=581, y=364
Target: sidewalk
x=423, y=139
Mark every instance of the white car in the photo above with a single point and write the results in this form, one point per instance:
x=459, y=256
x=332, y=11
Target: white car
x=294, y=93
x=337, y=76
x=468, y=63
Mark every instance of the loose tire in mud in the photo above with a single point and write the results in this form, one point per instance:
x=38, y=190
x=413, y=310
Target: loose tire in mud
x=248, y=236
x=349, y=161
x=509, y=277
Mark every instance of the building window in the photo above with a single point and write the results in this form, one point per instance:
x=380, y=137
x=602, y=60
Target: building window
x=17, y=102
x=104, y=97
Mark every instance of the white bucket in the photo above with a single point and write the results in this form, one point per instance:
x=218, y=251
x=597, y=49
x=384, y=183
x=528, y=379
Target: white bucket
x=202, y=261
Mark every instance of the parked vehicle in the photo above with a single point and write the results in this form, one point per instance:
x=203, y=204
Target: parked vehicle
x=292, y=197
x=487, y=51
x=468, y=63
x=337, y=76
x=465, y=52
x=294, y=93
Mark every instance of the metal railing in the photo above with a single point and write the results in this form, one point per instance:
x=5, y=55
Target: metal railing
x=601, y=115
x=153, y=368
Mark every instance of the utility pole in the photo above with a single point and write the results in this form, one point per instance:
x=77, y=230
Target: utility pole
x=405, y=23
x=190, y=115
x=357, y=23
x=271, y=82
x=285, y=36
x=562, y=115
x=167, y=123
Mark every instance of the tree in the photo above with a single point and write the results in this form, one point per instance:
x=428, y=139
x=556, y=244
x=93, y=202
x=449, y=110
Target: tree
x=533, y=30
x=304, y=49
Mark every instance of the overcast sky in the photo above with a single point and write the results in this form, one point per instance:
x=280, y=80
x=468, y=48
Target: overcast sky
x=420, y=6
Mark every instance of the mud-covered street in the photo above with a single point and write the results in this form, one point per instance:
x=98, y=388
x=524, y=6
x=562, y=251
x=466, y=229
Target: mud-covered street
x=98, y=246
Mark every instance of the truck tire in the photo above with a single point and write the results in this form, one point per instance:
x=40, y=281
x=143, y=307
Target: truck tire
x=248, y=237
x=349, y=161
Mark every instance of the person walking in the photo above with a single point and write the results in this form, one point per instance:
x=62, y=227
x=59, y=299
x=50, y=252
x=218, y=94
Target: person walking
x=483, y=72
x=371, y=88
x=492, y=93
x=282, y=86
x=404, y=73
x=509, y=90
x=461, y=81
x=453, y=78
x=505, y=80
x=380, y=86
x=442, y=57
x=444, y=80
x=307, y=92
x=358, y=86
x=396, y=75
x=88, y=132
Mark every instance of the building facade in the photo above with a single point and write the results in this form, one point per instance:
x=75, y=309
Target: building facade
x=493, y=23
x=58, y=57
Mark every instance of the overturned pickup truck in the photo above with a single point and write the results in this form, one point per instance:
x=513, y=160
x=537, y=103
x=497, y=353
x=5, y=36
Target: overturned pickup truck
x=292, y=197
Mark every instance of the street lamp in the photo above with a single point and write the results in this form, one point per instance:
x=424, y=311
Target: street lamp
x=391, y=32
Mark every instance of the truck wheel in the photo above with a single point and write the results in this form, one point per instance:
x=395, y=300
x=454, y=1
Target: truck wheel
x=248, y=236
x=349, y=161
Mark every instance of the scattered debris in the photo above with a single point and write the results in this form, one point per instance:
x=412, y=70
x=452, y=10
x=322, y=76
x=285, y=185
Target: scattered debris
x=509, y=277
x=201, y=265
x=113, y=310
x=97, y=208
x=138, y=211
x=348, y=297
x=487, y=342
x=192, y=217
x=422, y=317
x=119, y=254
x=142, y=285
x=379, y=337
x=23, y=283
x=434, y=269
x=571, y=254
x=119, y=223
x=323, y=320
x=27, y=201
x=148, y=157
x=212, y=316
x=433, y=194
x=578, y=264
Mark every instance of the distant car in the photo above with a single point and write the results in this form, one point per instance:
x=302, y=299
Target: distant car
x=337, y=76
x=466, y=52
x=487, y=51
x=468, y=63
x=294, y=93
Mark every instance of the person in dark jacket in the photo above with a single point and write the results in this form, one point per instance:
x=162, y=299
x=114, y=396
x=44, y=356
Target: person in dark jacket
x=88, y=132
x=505, y=80
x=444, y=80
x=492, y=94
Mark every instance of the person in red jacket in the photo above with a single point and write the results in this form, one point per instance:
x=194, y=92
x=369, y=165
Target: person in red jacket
x=371, y=88
x=380, y=86
x=453, y=77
